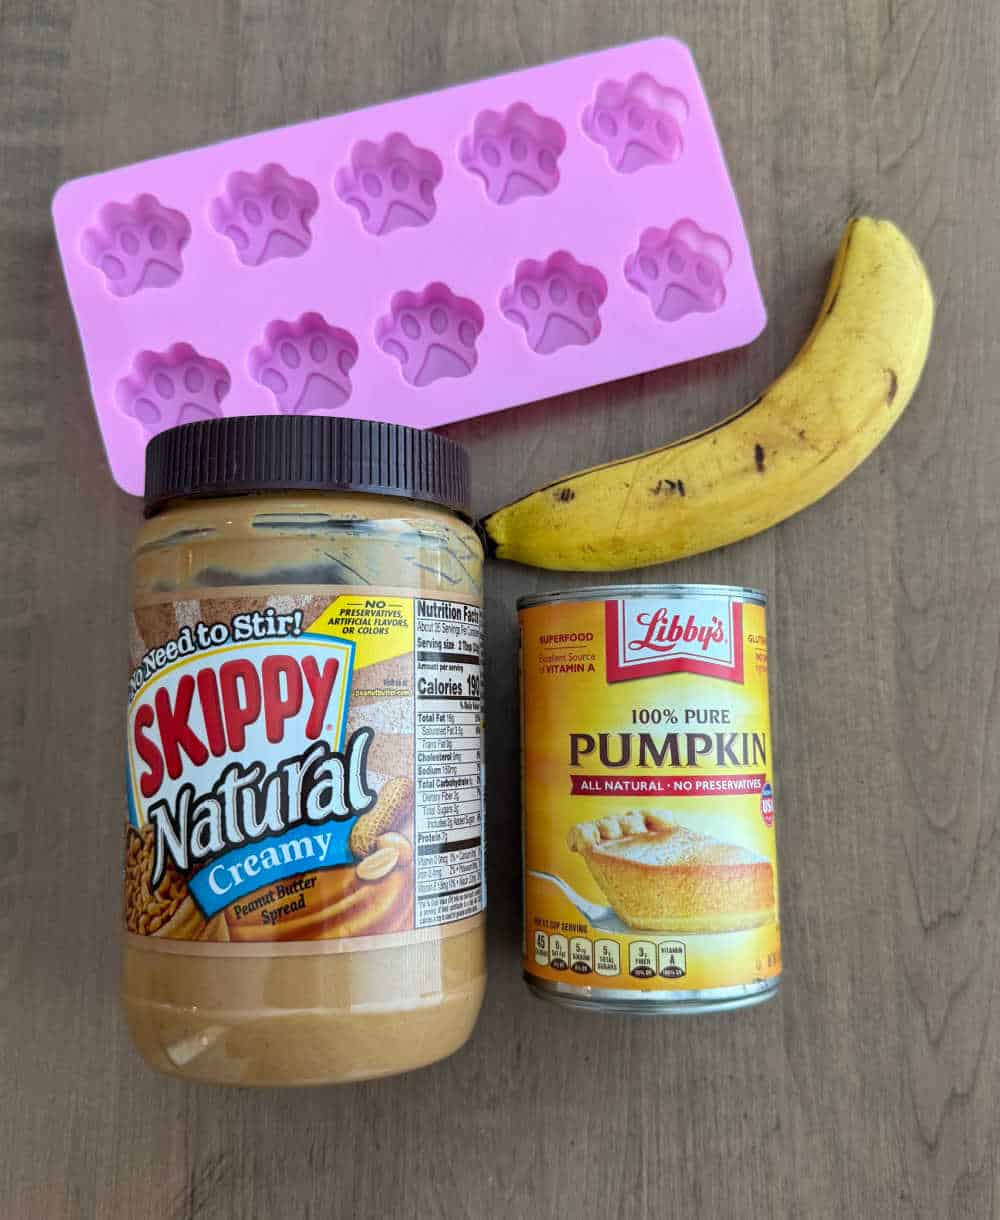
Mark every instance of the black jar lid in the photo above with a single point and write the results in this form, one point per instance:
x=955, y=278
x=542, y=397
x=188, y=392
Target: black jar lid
x=241, y=454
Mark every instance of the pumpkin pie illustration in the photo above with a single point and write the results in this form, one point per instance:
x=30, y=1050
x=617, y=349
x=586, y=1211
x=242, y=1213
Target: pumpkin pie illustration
x=660, y=876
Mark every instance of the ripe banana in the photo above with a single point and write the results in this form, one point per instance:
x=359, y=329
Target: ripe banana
x=849, y=383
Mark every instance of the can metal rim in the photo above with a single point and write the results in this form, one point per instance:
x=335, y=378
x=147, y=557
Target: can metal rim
x=603, y=592
x=654, y=1004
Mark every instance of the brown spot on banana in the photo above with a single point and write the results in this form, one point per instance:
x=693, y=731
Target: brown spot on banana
x=565, y=494
x=893, y=387
x=669, y=487
x=758, y=458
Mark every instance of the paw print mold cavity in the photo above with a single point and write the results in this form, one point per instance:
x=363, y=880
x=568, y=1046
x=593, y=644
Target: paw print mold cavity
x=682, y=270
x=390, y=184
x=516, y=153
x=305, y=364
x=266, y=215
x=431, y=333
x=177, y=386
x=556, y=302
x=137, y=245
x=637, y=123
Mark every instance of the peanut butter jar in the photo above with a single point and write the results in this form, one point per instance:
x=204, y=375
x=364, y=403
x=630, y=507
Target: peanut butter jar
x=304, y=887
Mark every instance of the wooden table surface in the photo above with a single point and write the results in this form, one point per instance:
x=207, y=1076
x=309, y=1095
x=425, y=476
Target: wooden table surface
x=869, y=1089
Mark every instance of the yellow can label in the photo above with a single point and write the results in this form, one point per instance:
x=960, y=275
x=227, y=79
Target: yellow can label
x=649, y=841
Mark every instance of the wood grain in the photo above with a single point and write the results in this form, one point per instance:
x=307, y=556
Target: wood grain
x=870, y=1087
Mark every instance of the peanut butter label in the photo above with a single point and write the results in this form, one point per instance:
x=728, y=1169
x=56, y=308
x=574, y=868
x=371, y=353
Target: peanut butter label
x=649, y=815
x=304, y=768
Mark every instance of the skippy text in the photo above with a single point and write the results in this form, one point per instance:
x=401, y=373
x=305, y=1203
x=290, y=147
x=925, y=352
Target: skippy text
x=229, y=698
x=236, y=746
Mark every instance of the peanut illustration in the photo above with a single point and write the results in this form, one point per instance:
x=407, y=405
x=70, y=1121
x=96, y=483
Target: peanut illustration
x=379, y=864
x=216, y=929
x=400, y=843
x=167, y=910
x=392, y=803
x=186, y=923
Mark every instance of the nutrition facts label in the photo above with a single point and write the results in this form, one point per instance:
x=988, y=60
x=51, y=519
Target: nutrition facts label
x=448, y=808
x=583, y=955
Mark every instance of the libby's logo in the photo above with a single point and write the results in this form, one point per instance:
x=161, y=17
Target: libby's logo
x=664, y=631
x=645, y=637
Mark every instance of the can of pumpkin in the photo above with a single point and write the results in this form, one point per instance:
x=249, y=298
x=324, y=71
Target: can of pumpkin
x=650, y=869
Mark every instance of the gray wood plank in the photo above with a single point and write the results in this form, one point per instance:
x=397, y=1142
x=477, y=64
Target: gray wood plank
x=870, y=1087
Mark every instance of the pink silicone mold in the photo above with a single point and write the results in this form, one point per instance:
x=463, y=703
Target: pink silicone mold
x=391, y=185
x=420, y=261
x=681, y=271
x=177, y=386
x=638, y=123
x=555, y=302
x=305, y=364
x=431, y=333
x=266, y=215
x=515, y=153
x=137, y=245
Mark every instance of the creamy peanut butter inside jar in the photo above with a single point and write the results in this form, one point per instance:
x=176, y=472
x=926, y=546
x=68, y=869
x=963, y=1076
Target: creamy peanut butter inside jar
x=304, y=890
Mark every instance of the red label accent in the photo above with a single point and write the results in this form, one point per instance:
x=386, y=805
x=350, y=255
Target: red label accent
x=667, y=640
x=718, y=784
